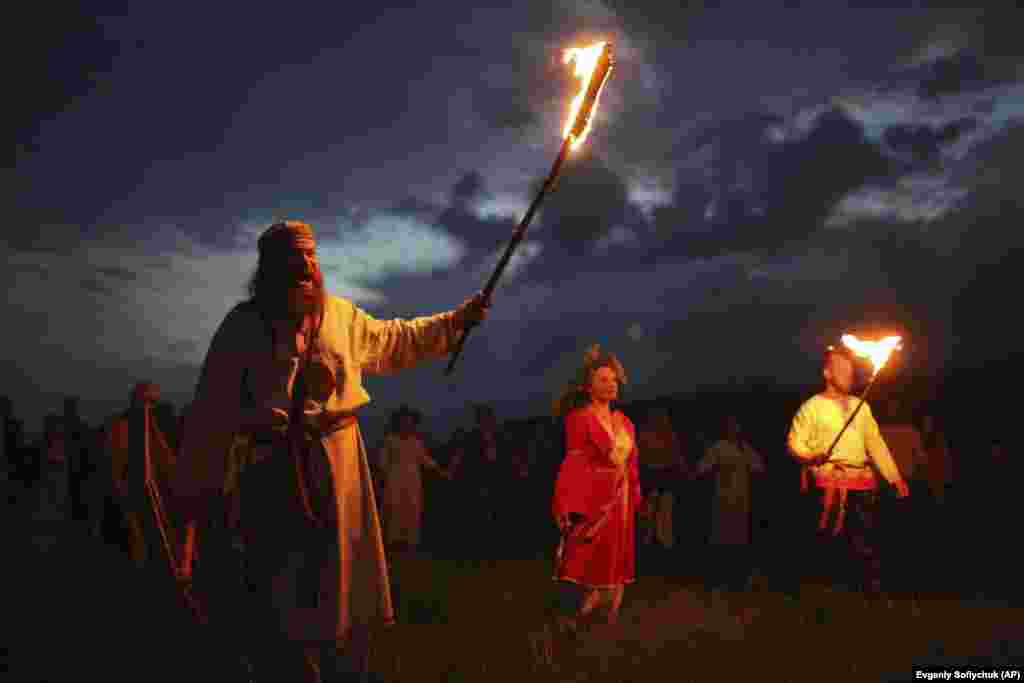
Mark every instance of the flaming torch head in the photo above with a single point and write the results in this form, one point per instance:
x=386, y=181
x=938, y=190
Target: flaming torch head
x=877, y=352
x=593, y=65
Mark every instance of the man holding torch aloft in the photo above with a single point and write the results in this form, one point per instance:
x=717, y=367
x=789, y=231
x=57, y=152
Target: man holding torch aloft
x=837, y=439
x=285, y=368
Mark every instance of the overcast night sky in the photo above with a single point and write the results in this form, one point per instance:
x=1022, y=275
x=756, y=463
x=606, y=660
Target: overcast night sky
x=757, y=181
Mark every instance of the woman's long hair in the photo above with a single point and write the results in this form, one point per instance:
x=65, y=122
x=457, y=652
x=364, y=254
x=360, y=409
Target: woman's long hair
x=574, y=394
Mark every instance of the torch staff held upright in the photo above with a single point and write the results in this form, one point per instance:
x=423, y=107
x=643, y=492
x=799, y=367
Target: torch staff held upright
x=850, y=419
x=601, y=68
x=517, y=237
x=878, y=352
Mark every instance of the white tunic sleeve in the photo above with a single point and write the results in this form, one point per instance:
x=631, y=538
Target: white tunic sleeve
x=384, y=346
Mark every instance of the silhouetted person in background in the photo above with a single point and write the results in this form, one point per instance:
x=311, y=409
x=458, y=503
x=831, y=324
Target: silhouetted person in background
x=484, y=474
x=402, y=458
x=733, y=462
x=663, y=470
x=126, y=469
x=79, y=462
x=8, y=451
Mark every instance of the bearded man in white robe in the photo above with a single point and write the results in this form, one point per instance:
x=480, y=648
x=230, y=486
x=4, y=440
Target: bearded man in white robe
x=315, y=556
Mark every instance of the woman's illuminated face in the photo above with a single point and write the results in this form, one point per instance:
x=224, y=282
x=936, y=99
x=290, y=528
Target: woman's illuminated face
x=604, y=385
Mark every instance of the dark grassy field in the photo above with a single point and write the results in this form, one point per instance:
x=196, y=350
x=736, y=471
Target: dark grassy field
x=79, y=611
x=488, y=624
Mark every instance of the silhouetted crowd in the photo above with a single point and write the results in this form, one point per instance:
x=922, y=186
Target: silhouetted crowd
x=487, y=494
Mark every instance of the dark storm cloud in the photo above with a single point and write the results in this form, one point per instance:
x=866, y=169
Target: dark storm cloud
x=244, y=132
x=956, y=73
x=481, y=235
x=923, y=142
x=942, y=283
x=973, y=41
x=469, y=187
x=988, y=247
x=766, y=193
x=586, y=204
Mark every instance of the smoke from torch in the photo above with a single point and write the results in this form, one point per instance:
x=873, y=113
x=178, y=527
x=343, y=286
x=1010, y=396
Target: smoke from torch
x=593, y=65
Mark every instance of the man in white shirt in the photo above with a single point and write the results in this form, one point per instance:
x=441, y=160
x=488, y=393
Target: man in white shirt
x=845, y=480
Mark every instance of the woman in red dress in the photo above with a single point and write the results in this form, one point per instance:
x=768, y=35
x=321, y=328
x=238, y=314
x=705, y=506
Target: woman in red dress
x=597, y=494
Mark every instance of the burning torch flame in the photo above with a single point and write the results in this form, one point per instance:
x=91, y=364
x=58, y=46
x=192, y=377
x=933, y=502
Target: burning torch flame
x=586, y=61
x=877, y=352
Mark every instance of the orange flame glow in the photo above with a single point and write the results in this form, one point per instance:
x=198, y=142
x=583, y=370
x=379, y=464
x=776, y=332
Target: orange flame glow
x=877, y=352
x=586, y=59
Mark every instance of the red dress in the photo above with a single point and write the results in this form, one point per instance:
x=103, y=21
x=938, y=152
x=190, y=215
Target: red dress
x=607, y=495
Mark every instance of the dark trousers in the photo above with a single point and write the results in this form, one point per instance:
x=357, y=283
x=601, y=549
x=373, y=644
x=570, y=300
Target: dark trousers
x=853, y=556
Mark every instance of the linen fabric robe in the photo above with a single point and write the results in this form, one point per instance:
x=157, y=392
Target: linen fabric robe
x=401, y=460
x=730, y=512
x=589, y=484
x=352, y=576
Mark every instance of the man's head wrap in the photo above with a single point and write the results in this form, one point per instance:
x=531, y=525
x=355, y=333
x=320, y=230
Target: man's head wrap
x=286, y=235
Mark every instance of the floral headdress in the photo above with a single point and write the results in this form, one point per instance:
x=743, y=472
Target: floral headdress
x=574, y=394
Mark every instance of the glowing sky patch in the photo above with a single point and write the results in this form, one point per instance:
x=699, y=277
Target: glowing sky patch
x=526, y=253
x=993, y=108
x=384, y=246
x=618, y=235
x=914, y=198
x=648, y=194
x=509, y=206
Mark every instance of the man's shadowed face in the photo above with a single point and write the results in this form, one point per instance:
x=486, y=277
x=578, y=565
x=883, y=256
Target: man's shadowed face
x=839, y=372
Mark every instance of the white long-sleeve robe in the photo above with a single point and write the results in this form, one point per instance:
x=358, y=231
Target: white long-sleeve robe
x=402, y=460
x=354, y=581
x=730, y=513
